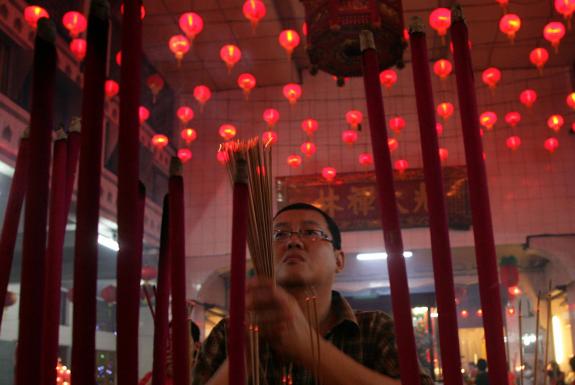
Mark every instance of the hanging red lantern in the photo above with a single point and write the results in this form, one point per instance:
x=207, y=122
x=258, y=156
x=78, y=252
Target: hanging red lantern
x=10, y=299
x=119, y=58
x=184, y=154
x=443, y=154
x=33, y=13
x=551, y=144
x=539, y=57
x=388, y=78
x=191, y=24
x=230, y=54
x=185, y=114
x=289, y=40
x=393, y=144
x=512, y=118
x=349, y=136
x=142, y=11
x=292, y=92
x=439, y=128
x=479, y=313
x=528, y=97
x=294, y=161
x=309, y=126
x=328, y=173
x=271, y=117
x=254, y=11
x=227, y=131
x=570, y=100
x=74, y=22
x=179, y=45
x=491, y=77
x=78, y=48
x=149, y=273
x=509, y=24
x=222, y=157
x=159, y=141
x=354, y=118
x=405, y=34
x=143, y=114
x=513, y=142
x=510, y=311
x=308, y=149
x=202, y=94
x=401, y=165
x=464, y=313
x=270, y=137
x=188, y=135
x=508, y=271
x=555, y=122
x=111, y=88
x=396, y=124
x=246, y=82
x=442, y=68
x=108, y=294
x=488, y=119
x=365, y=159
x=445, y=110
x=566, y=8
x=553, y=33
x=155, y=84
x=440, y=20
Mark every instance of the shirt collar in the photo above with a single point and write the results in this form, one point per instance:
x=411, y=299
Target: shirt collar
x=342, y=311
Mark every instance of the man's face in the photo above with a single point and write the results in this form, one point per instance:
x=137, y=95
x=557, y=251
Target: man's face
x=305, y=261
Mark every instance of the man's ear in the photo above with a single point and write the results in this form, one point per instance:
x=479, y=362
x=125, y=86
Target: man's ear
x=339, y=261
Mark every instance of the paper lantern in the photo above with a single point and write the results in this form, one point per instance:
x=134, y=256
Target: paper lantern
x=142, y=11
x=396, y=124
x=442, y=68
x=271, y=116
x=553, y=33
x=349, y=136
x=443, y=154
x=392, y=144
x=401, y=165
x=513, y=292
x=185, y=154
x=328, y=173
x=488, y=119
x=566, y=8
x=119, y=58
x=555, y=122
x=155, y=84
x=185, y=114
x=528, y=97
x=289, y=40
x=365, y=159
x=108, y=294
x=440, y=20
x=479, y=313
x=512, y=118
x=33, y=13
x=74, y=22
x=222, y=157
x=513, y=142
x=551, y=144
x=570, y=100
x=309, y=126
x=188, y=135
x=439, y=128
x=111, y=88
x=149, y=273
x=308, y=149
x=491, y=77
x=510, y=311
x=227, y=131
x=179, y=45
x=191, y=24
x=292, y=92
x=270, y=137
x=254, y=11
x=388, y=78
x=539, y=57
x=354, y=118
x=78, y=48
x=246, y=82
x=464, y=313
x=294, y=161
x=445, y=110
x=202, y=94
x=509, y=24
x=159, y=141
x=143, y=114
x=230, y=54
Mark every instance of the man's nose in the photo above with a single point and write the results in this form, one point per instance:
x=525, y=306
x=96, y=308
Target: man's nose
x=294, y=241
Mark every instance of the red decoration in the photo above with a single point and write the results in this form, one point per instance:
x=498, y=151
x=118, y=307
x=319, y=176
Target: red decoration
x=509, y=24
x=119, y=58
x=246, y=82
x=491, y=77
x=289, y=40
x=510, y=311
x=349, y=136
x=270, y=137
x=401, y=165
x=254, y=11
x=10, y=299
x=142, y=11
x=439, y=128
x=464, y=313
x=227, y=131
x=155, y=84
x=440, y=20
x=185, y=154
x=528, y=97
x=74, y=22
x=365, y=159
x=551, y=144
x=149, y=273
x=292, y=92
x=388, y=78
x=222, y=157
x=328, y=173
x=188, y=135
x=479, y=313
x=159, y=141
x=185, y=114
x=555, y=122
x=143, y=114
x=513, y=292
x=33, y=13
x=513, y=142
x=443, y=154
x=108, y=294
x=512, y=118
x=271, y=116
x=202, y=94
x=539, y=57
x=111, y=88
x=393, y=144
x=308, y=149
x=397, y=123
x=304, y=28
x=309, y=126
x=445, y=110
x=230, y=54
x=570, y=100
x=566, y=8
x=354, y=118
x=191, y=24
x=488, y=119
x=179, y=45
x=294, y=161
x=442, y=68
x=553, y=33
x=78, y=47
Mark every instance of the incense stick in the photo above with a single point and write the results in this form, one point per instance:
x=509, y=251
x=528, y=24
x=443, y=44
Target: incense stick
x=536, y=338
x=520, y=344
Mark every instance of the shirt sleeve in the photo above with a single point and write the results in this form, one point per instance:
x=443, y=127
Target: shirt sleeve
x=211, y=355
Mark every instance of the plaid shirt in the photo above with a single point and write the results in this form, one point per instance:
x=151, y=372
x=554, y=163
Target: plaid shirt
x=366, y=336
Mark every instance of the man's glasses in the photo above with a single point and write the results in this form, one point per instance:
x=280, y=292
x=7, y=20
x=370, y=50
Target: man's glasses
x=304, y=234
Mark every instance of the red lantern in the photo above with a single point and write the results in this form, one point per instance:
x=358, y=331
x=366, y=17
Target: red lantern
x=513, y=292
x=108, y=294
x=479, y=313
x=553, y=33
x=555, y=122
x=566, y=8
x=309, y=126
x=491, y=77
x=188, y=135
x=184, y=154
x=143, y=114
x=142, y=11
x=230, y=54
x=442, y=68
x=270, y=137
x=271, y=116
x=464, y=313
x=185, y=114
x=405, y=34
x=289, y=40
x=328, y=173
x=393, y=144
x=191, y=24
x=445, y=110
x=488, y=119
x=510, y=311
x=443, y=154
x=159, y=141
x=292, y=92
x=388, y=78
x=222, y=157
x=401, y=165
x=440, y=20
x=539, y=57
x=74, y=22
x=512, y=118
x=33, y=13
x=570, y=100
x=254, y=11
x=246, y=82
x=509, y=24
x=119, y=58
x=294, y=161
x=227, y=131
x=202, y=94
x=349, y=136
x=111, y=88
x=397, y=123
x=308, y=149
x=513, y=142
x=149, y=273
x=528, y=97
x=354, y=118
x=365, y=159
x=78, y=48
x=439, y=128
x=179, y=45
x=155, y=84
x=10, y=299
x=551, y=144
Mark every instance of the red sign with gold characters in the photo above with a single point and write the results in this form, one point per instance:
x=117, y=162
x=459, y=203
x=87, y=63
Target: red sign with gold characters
x=351, y=198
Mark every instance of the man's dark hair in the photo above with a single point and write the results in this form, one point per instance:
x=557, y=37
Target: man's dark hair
x=195, y=331
x=331, y=225
x=481, y=364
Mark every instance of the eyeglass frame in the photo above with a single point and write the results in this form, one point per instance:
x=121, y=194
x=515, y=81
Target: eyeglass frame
x=319, y=236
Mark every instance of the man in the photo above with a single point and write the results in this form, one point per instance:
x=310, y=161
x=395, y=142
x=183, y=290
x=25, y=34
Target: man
x=357, y=347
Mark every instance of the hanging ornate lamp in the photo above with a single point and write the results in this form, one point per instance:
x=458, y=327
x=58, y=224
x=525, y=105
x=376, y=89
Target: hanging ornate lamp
x=393, y=144
x=294, y=161
x=440, y=21
x=289, y=40
x=365, y=159
x=401, y=165
x=78, y=48
x=551, y=144
x=308, y=148
x=488, y=119
x=185, y=114
x=570, y=100
x=513, y=142
x=491, y=77
x=159, y=141
x=539, y=57
x=388, y=78
x=328, y=173
x=528, y=97
x=555, y=122
x=445, y=110
x=184, y=154
x=512, y=118
x=443, y=154
x=143, y=114
x=349, y=136
x=269, y=137
x=111, y=88
x=566, y=8
x=396, y=124
x=309, y=126
x=188, y=135
x=227, y=131
x=155, y=84
x=354, y=119
x=202, y=94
